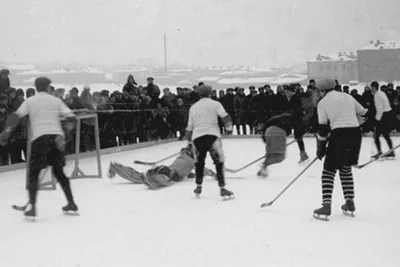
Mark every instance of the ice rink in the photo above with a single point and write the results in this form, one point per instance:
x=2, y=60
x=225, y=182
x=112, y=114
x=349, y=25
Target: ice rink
x=122, y=224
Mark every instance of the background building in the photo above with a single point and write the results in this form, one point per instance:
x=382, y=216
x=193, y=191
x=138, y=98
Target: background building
x=341, y=66
x=379, y=61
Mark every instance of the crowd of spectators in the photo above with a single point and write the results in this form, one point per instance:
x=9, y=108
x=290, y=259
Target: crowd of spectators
x=141, y=113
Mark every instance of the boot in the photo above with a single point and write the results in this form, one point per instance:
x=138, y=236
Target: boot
x=70, y=208
x=349, y=208
x=30, y=213
x=303, y=156
x=226, y=194
x=324, y=211
x=198, y=190
x=263, y=172
x=390, y=155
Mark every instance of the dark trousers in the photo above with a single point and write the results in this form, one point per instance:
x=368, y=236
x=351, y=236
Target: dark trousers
x=213, y=145
x=47, y=150
x=383, y=127
x=298, y=135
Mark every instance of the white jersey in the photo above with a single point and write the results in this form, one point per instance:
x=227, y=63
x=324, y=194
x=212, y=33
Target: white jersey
x=339, y=110
x=45, y=112
x=203, y=118
x=382, y=104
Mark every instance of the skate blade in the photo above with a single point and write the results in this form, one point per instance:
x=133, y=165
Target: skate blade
x=71, y=213
x=197, y=196
x=349, y=213
x=304, y=162
x=19, y=208
x=29, y=219
x=319, y=217
x=227, y=198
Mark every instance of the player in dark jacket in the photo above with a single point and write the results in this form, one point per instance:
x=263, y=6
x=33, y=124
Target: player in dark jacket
x=274, y=136
x=295, y=106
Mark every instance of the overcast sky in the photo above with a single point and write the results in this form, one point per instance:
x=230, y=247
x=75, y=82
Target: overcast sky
x=212, y=32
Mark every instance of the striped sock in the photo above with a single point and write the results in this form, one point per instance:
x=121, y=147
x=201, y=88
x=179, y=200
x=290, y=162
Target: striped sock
x=328, y=179
x=346, y=177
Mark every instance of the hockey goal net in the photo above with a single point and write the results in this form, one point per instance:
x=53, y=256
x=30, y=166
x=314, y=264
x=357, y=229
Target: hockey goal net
x=47, y=181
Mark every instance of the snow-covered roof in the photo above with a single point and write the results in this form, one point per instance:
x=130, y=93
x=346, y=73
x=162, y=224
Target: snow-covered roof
x=235, y=72
x=18, y=66
x=377, y=45
x=255, y=80
x=341, y=56
x=208, y=79
x=253, y=69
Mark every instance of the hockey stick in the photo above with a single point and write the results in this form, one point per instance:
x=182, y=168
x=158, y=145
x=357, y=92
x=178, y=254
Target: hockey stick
x=375, y=159
x=155, y=162
x=253, y=162
x=267, y=204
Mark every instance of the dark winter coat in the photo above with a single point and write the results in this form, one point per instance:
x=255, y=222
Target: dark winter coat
x=4, y=85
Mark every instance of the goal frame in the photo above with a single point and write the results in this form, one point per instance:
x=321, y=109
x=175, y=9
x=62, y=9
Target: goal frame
x=77, y=172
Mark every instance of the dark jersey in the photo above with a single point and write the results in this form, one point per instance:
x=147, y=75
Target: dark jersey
x=284, y=121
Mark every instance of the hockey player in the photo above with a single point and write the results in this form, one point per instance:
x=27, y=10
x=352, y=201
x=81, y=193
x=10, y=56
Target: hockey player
x=274, y=136
x=48, y=141
x=295, y=107
x=160, y=176
x=203, y=129
x=383, y=119
x=338, y=122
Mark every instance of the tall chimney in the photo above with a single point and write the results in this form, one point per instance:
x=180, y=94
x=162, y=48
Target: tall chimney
x=165, y=53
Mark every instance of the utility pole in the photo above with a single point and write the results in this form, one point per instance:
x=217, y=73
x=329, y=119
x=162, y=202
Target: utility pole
x=165, y=53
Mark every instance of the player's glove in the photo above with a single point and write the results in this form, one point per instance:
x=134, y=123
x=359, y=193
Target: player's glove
x=229, y=130
x=321, y=149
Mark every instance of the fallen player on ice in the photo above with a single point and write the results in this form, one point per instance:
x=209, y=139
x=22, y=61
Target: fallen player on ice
x=160, y=176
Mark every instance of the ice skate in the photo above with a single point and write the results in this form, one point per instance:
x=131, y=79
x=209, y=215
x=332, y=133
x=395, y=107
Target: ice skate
x=20, y=208
x=303, y=157
x=323, y=213
x=389, y=156
x=349, y=208
x=376, y=156
x=70, y=209
x=263, y=172
x=226, y=194
x=197, y=191
x=30, y=214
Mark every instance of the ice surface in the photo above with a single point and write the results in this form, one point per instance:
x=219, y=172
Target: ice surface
x=127, y=225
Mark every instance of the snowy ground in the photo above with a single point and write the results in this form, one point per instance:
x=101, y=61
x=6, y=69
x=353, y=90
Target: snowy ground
x=127, y=225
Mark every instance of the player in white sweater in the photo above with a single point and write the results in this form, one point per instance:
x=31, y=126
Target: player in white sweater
x=383, y=119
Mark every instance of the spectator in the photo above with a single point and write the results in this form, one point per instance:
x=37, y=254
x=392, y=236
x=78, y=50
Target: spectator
x=168, y=99
x=130, y=86
x=76, y=102
x=60, y=92
x=30, y=92
x=4, y=80
x=153, y=91
x=240, y=113
x=4, y=157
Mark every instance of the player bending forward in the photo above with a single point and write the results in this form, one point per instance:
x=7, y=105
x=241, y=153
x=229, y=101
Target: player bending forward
x=48, y=141
x=274, y=136
x=160, y=176
x=203, y=129
x=338, y=123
